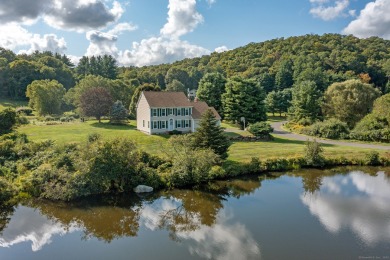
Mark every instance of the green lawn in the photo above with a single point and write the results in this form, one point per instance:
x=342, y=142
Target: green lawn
x=239, y=151
x=244, y=151
x=78, y=132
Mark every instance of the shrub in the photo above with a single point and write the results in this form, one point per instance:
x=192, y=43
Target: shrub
x=260, y=129
x=372, y=158
x=93, y=137
x=6, y=189
x=22, y=120
x=372, y=128
x=7, y=120
x=313, y=154
x=332, y=128
x=24, y=110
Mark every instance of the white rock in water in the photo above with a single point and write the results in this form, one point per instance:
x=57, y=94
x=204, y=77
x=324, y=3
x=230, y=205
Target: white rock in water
x=143, y=188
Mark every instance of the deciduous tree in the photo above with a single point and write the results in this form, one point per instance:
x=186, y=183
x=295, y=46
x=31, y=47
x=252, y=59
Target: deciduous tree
x=96, y=102
x=211, y=88
x=349, y=101
x=46, y=96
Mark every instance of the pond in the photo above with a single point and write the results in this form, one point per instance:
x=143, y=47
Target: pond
x=307, y=214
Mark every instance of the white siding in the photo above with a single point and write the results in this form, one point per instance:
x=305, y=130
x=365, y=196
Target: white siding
x=143, y=115
x=167, y=118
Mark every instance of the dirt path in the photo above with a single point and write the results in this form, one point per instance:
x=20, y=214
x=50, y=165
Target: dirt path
x=278, y=131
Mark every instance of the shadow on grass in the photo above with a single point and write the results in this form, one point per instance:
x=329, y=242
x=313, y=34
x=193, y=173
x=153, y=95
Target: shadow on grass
x=113, y=127
x=276, y=118
x=288, y=141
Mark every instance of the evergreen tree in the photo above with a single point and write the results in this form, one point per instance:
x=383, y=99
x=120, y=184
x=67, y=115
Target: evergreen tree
x=305, y=104
x=211, y=88
x=243, y=98
x=210, y=135
x=118, y=113
x=284, y=76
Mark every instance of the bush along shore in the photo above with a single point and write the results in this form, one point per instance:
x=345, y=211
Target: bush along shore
x=98, y=166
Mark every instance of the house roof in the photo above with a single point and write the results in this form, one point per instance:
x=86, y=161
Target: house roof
x=177, y=99
x=166, y=99
x=201, y=107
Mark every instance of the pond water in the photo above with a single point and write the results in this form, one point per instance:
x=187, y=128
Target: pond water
x=308, y=214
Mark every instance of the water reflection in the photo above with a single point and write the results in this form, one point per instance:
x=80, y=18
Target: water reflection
x=357, y=201
x=195, y=219
x=30, y=225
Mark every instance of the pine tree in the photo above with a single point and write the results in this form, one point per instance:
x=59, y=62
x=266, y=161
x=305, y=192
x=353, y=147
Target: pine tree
x=210, y=135
x=118, y=113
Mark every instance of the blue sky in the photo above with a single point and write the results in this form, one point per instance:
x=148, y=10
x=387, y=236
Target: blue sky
x=143, y=32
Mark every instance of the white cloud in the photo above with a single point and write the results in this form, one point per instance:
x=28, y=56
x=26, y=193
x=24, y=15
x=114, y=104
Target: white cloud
x=221, y=241
x=336, y=209
x=374, y=20
x=221, y=49
x=14, y=36
x=122, y=27
x=49, y=42
x=165, y=48
x=28, y=224
x=156, y=50
x=82, y=15
x=321, y=9
x=101, y=43
x=182, y=18
x=74, y=15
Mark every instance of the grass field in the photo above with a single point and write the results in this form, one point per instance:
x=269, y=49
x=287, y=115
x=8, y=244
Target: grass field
x=239, y=151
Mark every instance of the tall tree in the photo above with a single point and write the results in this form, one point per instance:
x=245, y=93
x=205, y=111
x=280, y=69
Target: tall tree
x=96, y=102
x=284, y=76
x=175, y=73
x=176, y=86
x=349, y=101
x=211, y=88
x=46, y=96
x=305, y=103
x=136, y=95
x=210, y=135
x=243, y=98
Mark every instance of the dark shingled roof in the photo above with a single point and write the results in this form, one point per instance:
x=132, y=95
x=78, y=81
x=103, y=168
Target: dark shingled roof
x=166, y=99
x=177, y=99
x=201, y=107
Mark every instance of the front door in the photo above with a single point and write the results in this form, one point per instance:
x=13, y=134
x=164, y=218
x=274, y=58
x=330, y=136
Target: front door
x=170, y=127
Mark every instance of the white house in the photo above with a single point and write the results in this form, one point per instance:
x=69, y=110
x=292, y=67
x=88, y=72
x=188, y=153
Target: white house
x=160, y=112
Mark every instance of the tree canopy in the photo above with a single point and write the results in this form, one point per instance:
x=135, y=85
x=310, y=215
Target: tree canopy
x=349, y=101
x=46, y=96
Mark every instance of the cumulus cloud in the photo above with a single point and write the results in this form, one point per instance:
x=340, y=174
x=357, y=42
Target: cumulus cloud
x=374, y=20
x=101, y=43
x=21, y=12
x=165, y=48
x=222, y=241
x=156, y=50
x=369, y=200
x=49, y=42
x=14, y=36
x=221, y=49
x=122, y=27
x=28, y=225
x=182, y=18
x=322, y=9
x=82, y=15
x=74, y=15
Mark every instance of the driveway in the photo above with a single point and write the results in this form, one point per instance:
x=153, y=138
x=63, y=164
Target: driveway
x=279, y=132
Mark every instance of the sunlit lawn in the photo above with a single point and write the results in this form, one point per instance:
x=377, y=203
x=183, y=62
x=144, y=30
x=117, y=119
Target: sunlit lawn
x=79, y=132
x=239, y=151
